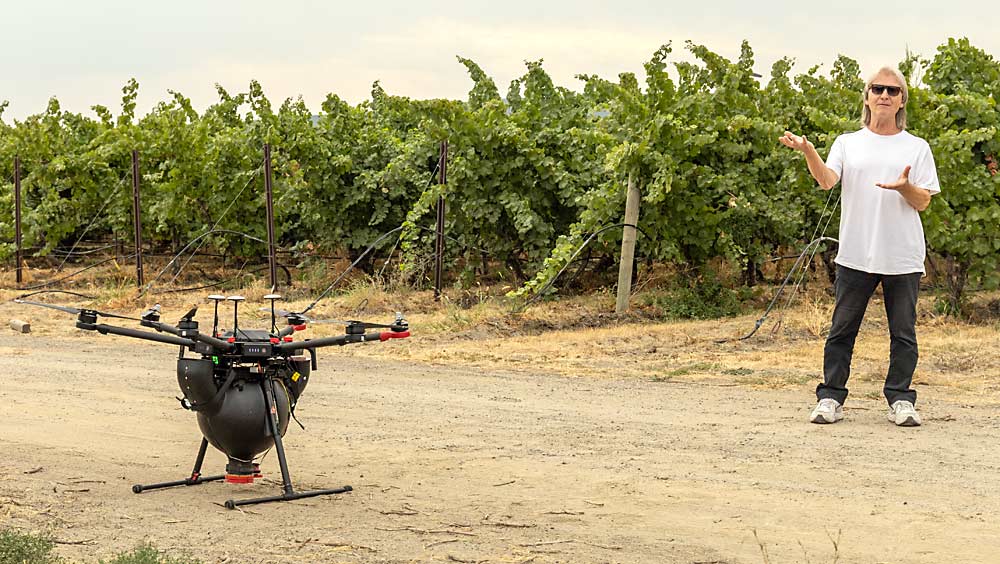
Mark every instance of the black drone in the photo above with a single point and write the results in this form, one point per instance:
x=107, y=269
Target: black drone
x=243, y=384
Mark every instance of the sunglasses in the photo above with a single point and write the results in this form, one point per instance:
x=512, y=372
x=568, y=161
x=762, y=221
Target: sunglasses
x=878, y=89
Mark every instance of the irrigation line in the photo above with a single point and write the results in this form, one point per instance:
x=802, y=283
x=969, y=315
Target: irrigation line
x=349, y=268
x=121, y=181
x=71, y=252
x=288, y=277
x=803, y=271
x=389, y=256
x=816, y=232
x=182, y=251
x=213, y=230
x=798, y=262
x=78, y=294
x=804, y=266
x=584, y=263
x=372, y=246
x=68, y=276
x=428, y=229
x=213, y=285
x=430, y=182
x=232, y=202
x=813, y=245
x=538, y=295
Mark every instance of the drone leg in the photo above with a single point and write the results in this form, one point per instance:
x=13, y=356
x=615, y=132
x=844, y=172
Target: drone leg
x=289, y=493
x=195, y=479
x=270, y=404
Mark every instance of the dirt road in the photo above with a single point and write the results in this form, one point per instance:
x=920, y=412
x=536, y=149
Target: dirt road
x=451, y=464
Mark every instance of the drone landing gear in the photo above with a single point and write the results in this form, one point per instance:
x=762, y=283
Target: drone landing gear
x=195, y=479
x=289, y=492
x=247, y=475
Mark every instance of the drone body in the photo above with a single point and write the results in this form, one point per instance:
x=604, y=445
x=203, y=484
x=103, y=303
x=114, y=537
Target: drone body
x=243, y=384
x=235, y=423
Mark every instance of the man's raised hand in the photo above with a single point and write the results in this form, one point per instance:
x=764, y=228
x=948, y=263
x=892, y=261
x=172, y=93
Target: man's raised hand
x=793, y=141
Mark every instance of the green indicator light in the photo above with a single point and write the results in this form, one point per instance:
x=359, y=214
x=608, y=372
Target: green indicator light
x=215, y=360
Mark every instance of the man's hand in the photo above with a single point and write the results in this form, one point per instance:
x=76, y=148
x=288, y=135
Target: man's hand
x=824, y=175
x=793, y=141
x=917, y=197
x=900, y=182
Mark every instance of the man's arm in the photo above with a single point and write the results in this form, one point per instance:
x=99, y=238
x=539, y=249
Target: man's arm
x=823, y=174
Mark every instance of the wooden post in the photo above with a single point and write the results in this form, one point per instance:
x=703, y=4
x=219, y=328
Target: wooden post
x=632, y=199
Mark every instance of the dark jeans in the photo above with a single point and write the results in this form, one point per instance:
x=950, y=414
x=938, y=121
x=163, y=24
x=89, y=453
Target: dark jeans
x=854, y=288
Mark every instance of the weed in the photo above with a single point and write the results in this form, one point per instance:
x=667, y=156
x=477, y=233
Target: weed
x=697, y=367
x=701, y=298
x=146, y=554
x=25, y=548
x=777, y=380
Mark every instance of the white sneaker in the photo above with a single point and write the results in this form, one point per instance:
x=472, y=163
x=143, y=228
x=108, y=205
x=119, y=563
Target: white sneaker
x=903, y=413
x=828, y=410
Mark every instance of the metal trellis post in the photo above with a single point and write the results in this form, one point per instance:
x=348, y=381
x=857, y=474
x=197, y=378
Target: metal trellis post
x=439, y=239
x=137, y=218
x=17, y=217
x=271, y=260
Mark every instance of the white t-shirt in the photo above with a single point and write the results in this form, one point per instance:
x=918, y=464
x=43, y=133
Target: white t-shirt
x=879, y=232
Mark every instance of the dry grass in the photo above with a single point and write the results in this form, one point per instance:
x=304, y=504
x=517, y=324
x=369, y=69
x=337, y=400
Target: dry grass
x=579, y=337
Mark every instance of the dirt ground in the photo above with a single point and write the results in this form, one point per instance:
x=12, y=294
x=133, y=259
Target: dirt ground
x=632, y=443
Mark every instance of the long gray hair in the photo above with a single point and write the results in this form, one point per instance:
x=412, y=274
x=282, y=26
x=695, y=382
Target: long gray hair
x=866, y=113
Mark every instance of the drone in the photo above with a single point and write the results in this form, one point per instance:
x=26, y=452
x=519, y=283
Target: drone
x=243, y=384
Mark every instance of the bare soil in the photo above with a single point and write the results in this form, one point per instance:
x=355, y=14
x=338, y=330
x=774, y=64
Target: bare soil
x=632, y=443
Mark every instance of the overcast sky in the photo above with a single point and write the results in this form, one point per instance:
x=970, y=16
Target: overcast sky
x=83, y=52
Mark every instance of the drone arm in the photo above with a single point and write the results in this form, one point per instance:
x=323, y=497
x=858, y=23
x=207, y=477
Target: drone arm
x=106, y=329
x=191, y=334
x=287, y=330
x=217, y=344
x=317, y=343
x=341, y=340
x=161, y=327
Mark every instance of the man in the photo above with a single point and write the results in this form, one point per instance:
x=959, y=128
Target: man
x=887, y=177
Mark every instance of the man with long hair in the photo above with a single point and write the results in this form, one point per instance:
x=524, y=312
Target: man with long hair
x=887, y=178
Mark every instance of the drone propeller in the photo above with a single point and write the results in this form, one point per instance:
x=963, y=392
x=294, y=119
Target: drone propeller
x=291, y=316
x=355, y=323
x=397, y=325
x=73, y=310
x=299, y=318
